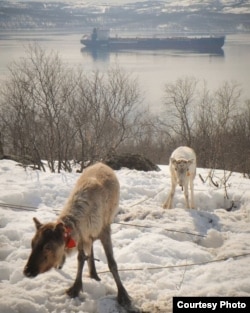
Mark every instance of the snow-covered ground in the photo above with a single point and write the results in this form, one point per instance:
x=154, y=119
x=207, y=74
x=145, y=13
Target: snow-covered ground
x=178, y=252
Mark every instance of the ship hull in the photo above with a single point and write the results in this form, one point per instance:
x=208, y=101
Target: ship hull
x=203, y=44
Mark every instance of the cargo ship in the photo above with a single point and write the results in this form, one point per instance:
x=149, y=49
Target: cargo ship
x=100, y=39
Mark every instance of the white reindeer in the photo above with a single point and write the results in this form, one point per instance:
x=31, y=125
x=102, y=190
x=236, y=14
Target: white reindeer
x=86, y=217
x=182, y=166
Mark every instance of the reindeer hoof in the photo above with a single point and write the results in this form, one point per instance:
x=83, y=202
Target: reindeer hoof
x=73, y=291
x=124, y=299
x=95, y=276
x=133, y=309
x=129, y=307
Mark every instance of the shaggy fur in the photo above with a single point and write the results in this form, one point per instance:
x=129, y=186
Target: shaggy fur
x=182, y=166
x=87, y=216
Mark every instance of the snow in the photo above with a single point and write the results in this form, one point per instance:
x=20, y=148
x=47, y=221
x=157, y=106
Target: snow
x=160, y=254
x=225, y=6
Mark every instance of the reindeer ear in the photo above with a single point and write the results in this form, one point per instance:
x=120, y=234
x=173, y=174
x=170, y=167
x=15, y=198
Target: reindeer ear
x=173, y=161
x=37, y=223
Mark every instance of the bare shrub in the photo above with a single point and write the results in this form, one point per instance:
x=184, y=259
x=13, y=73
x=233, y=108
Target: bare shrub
x=215, y=124
x=215, y=119
x=50, y=112
x=180, y=100
x=106, y=112
x=34, y=104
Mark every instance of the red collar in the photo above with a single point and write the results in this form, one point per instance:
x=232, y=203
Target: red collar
x=69, y=241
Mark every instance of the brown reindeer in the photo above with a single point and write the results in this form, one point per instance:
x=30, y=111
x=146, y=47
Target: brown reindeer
x=87, y=216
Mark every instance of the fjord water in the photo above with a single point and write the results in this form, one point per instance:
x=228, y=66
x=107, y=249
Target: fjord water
x=152, y=68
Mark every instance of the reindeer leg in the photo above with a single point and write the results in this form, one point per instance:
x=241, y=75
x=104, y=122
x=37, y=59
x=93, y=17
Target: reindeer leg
x=123, y=297
x=192, y=192
x=186, y=195
x=169, y=202
x=91, y=266
x=75, y=289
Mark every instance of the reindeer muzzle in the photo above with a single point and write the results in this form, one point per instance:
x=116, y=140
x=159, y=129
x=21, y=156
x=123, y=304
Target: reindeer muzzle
x=29, y=272
x=181, y=186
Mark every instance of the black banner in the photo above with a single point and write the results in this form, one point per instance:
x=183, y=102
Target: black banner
x=211, y=304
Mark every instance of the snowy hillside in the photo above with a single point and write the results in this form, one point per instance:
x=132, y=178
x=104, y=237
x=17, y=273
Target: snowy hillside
x=212, y=16
x=160, y=253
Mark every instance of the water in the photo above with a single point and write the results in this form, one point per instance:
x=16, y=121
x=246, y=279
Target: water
x=153, y=68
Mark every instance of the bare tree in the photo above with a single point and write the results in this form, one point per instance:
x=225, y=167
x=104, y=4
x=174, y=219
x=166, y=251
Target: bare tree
x=240, y=141
x=56, y=114
x=1, y=145
x=34, y=106
x=180, y=102
x=227, y=103
x=210, y=122
x=217, y=114
x=48, y=111
x=106, y=112
x=226, y=111
x=204, y=128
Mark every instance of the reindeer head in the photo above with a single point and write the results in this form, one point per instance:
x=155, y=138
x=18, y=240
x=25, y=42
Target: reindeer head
x=47, y=248
x=181, y=167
